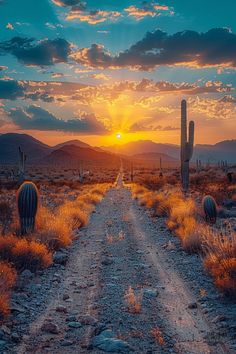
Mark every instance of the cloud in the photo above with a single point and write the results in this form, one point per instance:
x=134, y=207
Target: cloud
x=37, y=53
x=10, y=26
x=215, y=48
x=36, y=118
x=57, y=75
x=11, y=89
x=92, y=17
x=147, y=9
x=65, y=3
x=217, y=109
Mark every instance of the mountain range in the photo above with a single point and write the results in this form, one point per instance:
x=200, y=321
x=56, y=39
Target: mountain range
x=76, y=150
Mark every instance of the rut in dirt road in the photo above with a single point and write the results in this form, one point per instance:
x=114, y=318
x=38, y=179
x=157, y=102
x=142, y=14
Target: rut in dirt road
x=120, y=293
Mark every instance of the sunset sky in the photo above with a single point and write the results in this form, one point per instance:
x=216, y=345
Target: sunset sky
x=92, y=69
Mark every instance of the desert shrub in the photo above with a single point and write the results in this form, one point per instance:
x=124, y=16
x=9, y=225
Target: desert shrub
x=6, y=215
x=7, y=280
x=6, y=245
x=52, y=229
x=31, y=255
x=180, y=212
x=24, y=254
x=220, y=259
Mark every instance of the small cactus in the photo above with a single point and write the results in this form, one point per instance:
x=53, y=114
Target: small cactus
x=27, y=199
x=210, y=209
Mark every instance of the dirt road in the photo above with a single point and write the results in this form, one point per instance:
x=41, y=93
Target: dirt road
x=128, y=288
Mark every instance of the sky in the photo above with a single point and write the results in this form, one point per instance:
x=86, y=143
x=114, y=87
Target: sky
x=88, y=70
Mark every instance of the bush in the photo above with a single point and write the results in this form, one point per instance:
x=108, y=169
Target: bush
x=6, y=215
x=7, y=280
x=24, y=253
x=220, y=260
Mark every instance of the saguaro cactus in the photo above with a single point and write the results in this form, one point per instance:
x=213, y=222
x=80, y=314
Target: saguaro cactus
x=187, y=141
x=132, y=172
x=160, y=173
x=27, y=198
x=81, y=172
x=22, y=159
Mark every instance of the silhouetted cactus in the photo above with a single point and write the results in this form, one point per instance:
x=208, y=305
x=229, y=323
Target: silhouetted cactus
x=187, y=141
x=27, y=198
x=22, y=159
x=210, y=208
x=132, y=172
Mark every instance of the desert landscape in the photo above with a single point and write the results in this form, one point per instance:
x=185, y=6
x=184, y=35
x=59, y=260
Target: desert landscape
x=117, y=177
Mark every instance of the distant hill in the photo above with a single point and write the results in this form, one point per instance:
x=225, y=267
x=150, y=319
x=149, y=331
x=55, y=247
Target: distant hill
x=144, y=146
x=71, y=154
x=224, y=150
x=10, y=142
x=71, y=142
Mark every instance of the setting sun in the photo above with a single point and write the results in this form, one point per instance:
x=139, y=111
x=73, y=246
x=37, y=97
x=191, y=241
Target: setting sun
x=119, y=136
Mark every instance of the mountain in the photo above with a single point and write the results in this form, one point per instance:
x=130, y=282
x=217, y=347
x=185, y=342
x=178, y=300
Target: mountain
x=75, y=154
x=33, y=148
x=72, y=142
x=144, y=146
x=224, y=150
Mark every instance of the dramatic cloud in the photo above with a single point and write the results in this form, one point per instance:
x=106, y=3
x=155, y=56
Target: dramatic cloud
x=215, y=48
x=147, y=9
x=65, y=3
x=37, y=53
x=37, y=118
x=92, y=17
x=11, y=89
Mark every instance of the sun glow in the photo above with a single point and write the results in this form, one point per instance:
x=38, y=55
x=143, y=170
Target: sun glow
x=118, y=136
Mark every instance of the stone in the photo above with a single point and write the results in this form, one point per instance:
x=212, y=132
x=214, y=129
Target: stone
x=65, y=297
x=61, y=308
x=192, y=305
x=107, y=342
x=27, y=274
x=50, y=327
x=60, y=258
x=88, y=320
x=107, y=261
x=74, y=324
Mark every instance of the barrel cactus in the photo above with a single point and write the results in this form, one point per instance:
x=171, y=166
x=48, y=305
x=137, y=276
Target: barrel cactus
x=27, y=198
x=210, y=209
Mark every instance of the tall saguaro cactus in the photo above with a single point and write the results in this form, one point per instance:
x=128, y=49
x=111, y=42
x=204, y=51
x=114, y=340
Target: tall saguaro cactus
x=187, y=141
x=27, y=200
x=22, y=159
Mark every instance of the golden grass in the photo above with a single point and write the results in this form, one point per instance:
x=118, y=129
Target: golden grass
x=156, y=333
x=180, y=213
x=24, y=253
x=220, y=259
x=7, y=280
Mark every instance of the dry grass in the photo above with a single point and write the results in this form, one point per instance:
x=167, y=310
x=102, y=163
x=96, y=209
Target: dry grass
x=133, y=301
x=156, y=333
x=180, y=212
x=7, y=280
x=24, y=253
x=220, y=259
